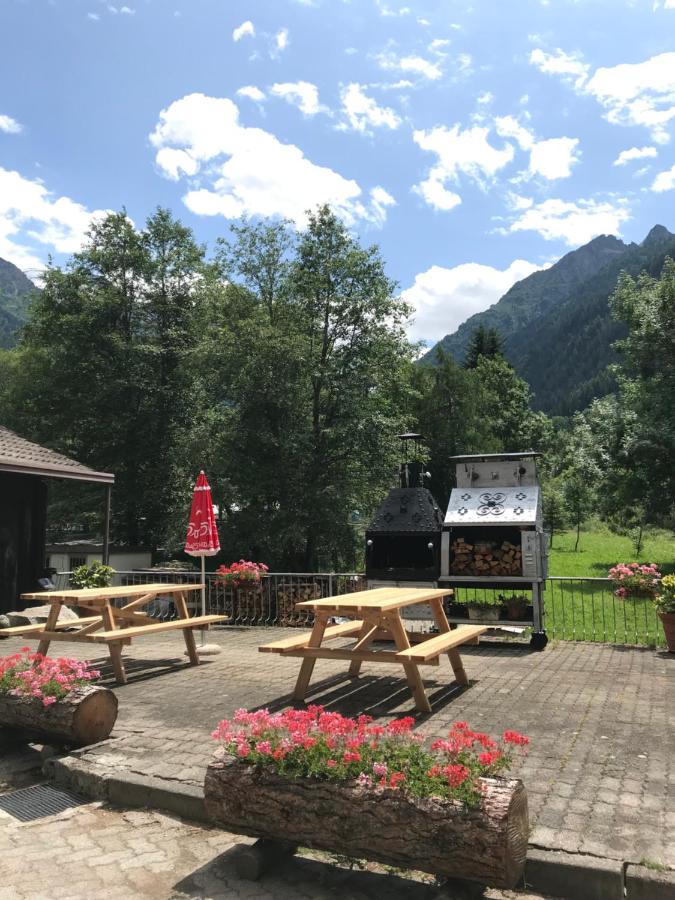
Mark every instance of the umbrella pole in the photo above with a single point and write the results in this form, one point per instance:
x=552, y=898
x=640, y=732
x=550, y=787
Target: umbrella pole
x=203, y=593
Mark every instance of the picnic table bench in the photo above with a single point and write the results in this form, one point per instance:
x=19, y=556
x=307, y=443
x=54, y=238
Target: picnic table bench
x=375, y=615
x=114, y=625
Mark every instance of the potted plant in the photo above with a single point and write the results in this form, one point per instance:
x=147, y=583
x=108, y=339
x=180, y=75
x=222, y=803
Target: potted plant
x=635, y=580
x=484, y=609
x=241, y=574
x=245, y=578
x=665, y=607
x=315, y=778
x=515, y=605
x=54, y=700
x=92, y=576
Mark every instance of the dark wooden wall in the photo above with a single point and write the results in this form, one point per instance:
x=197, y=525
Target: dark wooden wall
x=23, y=518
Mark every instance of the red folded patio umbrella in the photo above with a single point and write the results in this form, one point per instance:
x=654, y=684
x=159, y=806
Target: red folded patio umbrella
x=202, y=534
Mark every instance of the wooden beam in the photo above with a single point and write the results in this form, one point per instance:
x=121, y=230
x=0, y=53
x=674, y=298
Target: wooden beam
x=375, y=656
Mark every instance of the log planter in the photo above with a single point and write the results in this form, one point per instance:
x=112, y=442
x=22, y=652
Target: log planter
x=84, y=716
x=487, y=844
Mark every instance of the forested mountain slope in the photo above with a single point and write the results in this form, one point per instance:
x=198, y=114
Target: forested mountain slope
x=16, y=291
x=556, y=324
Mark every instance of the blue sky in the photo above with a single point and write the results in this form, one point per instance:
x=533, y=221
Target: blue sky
x=474, y=142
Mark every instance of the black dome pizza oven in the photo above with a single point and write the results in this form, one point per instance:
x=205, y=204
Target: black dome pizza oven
x=403, y=542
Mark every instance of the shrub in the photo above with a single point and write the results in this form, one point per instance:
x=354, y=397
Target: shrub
x=93, y=576
x=313, y=743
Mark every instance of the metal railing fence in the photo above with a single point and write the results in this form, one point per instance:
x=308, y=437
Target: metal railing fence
x=576, y=609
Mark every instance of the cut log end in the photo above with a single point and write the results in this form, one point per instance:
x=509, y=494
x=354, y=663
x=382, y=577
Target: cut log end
x=85, y=716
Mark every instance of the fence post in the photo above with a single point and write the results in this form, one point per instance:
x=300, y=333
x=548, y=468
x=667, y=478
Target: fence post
x=330, y=584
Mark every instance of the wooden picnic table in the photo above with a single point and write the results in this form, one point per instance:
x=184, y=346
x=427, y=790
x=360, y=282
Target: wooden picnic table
x=119, y=624
x=375, y=615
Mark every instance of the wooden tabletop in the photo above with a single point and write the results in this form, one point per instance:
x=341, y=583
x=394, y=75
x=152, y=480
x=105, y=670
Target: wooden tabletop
x=377, y=599
x=109, y=593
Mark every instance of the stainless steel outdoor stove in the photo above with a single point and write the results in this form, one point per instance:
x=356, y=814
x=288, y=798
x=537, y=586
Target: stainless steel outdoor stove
x=492, y=537
x=493, y=533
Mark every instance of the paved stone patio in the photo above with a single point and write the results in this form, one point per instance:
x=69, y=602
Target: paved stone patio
x=99, y=853
x=600, y=774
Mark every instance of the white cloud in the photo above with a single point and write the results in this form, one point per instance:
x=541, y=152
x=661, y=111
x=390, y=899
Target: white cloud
x=251, y=92
x=485, y=98
x=554, y=158
x=127, y=11
x=433, y=191
x=444, y=298
x=246, y=29
x=550, y=158
x=281, y=39
x=302, y=94
x=460, y=152
x=438, y=45
x=386, y=10
x=414, y=65
x=31, y=214
x=638, y=93
x=94, y=17
x=664, y=181
x=631, y=93
x=635, y=153
x=363, y=113
x=10, y=125
x=575, y=223
x=569, y=67
x=510, y=127
x=234, y=170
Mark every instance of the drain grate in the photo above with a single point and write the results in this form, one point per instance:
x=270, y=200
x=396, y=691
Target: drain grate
x=38, y=801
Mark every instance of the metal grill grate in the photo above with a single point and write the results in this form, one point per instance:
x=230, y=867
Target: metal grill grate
x=37, y=802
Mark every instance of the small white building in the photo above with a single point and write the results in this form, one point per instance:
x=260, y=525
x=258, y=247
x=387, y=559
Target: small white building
x=70, y=554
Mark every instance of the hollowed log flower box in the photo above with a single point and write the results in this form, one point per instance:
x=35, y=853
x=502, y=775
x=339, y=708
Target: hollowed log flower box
x=486, y=843
x=84, y=716
x=53, y=700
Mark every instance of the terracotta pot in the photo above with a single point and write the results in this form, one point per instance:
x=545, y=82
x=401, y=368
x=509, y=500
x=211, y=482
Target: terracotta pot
x=515, y=611
x=668, y=622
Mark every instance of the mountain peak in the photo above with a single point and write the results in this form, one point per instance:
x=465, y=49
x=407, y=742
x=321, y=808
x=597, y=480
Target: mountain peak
x=657, y=235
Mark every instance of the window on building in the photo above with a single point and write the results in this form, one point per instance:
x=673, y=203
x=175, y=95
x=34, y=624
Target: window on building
x=75, y=561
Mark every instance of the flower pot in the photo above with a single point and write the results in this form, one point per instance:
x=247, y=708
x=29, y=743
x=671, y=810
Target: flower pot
x=483, y=613
x=668, y=622
x=487, y=844
x=515, y=610
x=84, y=716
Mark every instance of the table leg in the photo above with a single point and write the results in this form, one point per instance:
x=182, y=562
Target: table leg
x=412, y=673
x=355, y=666
x=188, y=633
x=443, y=625
x=50, y=625
x=458, y=667
x=307, y=666
x=115, y=647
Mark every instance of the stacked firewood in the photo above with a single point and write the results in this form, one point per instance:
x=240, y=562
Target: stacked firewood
x=288, y=594
x=485, y=558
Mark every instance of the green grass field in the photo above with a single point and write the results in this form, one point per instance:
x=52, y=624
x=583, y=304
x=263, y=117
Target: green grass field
x=599, y=550
x=583, y=610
